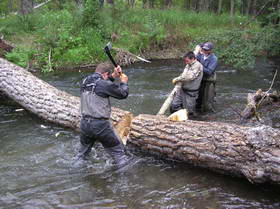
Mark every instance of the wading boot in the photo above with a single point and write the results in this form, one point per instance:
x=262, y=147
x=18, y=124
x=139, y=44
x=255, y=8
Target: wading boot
x=118, y=154
x=84, y=151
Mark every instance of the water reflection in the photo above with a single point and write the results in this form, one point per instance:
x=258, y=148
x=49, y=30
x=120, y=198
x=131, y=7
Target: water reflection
x=38, y=169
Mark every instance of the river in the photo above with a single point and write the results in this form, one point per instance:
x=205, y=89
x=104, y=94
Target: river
x=38, y=170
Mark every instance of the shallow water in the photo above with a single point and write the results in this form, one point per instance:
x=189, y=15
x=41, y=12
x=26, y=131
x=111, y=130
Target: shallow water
x=38, y=169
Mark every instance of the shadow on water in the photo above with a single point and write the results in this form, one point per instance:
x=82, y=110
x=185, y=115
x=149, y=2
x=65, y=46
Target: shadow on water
x=38, y=169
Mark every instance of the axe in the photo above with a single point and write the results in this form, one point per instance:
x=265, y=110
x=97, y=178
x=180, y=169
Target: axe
x=107, y=49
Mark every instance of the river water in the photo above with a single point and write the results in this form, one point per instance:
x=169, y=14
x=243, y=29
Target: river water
x=38, y=168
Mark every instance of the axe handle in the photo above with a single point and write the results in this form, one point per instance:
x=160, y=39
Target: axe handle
x=111, y=58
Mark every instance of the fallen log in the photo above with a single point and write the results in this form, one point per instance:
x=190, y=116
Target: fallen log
x=227, y=148
x=43, y=99
x=251, y=152
x=256, y=100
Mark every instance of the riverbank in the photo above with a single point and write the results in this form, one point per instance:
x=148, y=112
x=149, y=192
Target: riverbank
x=152, y=33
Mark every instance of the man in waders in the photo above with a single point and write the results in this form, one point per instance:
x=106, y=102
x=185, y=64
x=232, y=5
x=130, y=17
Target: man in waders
x=190, y=79
x=207, y=91
x=96, y=89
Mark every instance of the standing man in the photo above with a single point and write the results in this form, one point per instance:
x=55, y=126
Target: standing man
x=207, y=91
x=96, y=89
x=190, y=80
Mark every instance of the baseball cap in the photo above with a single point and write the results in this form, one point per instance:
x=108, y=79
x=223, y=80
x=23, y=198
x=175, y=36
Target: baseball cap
x=208, y=46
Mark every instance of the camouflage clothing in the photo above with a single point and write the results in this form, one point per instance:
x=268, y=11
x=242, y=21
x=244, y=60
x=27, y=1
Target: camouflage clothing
x=190, y=79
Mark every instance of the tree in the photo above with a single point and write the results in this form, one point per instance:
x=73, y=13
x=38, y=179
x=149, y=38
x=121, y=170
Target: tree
x=91, y=15
x=26, y=7
x=232, y=9
x=248, y=8
x=220, y=6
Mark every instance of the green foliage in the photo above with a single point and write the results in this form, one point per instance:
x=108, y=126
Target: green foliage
x=239, y=47
x=152, y=33
x=20, y=56
x=63, y=34
x=91, y=13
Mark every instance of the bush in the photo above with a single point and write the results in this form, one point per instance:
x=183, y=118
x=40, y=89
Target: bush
x=75, y=36
x=240, y=47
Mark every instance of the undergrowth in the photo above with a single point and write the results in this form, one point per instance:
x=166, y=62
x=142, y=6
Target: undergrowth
x=75, y=36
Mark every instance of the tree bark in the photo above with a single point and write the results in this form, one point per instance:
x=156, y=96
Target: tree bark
x=220, y=6
x=43, y=99
x=169, y=99
x=226, y=148
x=168, y=3
x=248, y=8
x=255, y=101
x=232, y=2
x=187, y=4
x=26, y=7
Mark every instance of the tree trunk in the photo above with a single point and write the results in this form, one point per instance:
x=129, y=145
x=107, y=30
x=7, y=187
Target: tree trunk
x=227, y=148
x=220, y=6
x=168, y=3
x=195, y=5
x=254, y=8
x=169, y=99
x=81, y=3
x=26, y=7
x=111, y=2
x=232, y=7
x=187, y=4
x=248, y=8
x=43, y=99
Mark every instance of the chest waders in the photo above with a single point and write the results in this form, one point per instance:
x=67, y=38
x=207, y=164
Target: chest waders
x=207, y=93
x=96, y=126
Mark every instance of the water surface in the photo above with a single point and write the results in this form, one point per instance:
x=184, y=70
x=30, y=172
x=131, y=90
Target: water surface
x=38, y=169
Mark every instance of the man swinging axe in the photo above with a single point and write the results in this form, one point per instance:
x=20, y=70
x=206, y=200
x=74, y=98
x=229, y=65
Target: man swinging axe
x=96, y=90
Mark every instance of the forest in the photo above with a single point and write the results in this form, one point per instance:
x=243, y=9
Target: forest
x=52, y=34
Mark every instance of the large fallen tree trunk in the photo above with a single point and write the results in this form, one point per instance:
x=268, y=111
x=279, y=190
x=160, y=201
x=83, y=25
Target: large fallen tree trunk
x=227, y=148
x=253, y=152
x=43, y=99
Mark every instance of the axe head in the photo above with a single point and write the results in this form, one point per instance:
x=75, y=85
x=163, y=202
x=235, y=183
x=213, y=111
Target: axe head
x=108, y=47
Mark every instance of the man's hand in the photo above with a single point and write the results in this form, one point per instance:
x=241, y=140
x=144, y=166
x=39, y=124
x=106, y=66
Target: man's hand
x=124, y=78
x=174, y=81
x=117, y=72
x=197, y=50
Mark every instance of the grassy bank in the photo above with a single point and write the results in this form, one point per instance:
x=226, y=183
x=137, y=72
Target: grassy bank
x=50, y=38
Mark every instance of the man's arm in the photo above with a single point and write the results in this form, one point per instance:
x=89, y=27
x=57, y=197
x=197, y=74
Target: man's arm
x=188, y=75
x=210, y=69
x=108, y=88
x=118, y=91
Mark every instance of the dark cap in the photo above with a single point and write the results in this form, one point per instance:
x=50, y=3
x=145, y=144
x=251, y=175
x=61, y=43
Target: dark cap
x=208, y=46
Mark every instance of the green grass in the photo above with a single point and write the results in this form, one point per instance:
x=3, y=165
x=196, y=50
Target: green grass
x=72, y=43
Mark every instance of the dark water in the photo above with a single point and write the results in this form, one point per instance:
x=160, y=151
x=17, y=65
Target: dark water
x=38, y=170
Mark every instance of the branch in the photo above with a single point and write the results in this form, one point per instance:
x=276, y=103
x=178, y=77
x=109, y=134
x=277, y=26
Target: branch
x=42, y=4
x=266, y=93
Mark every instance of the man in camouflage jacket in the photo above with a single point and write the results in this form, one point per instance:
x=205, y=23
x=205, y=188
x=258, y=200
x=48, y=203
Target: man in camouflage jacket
x=190, y=79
